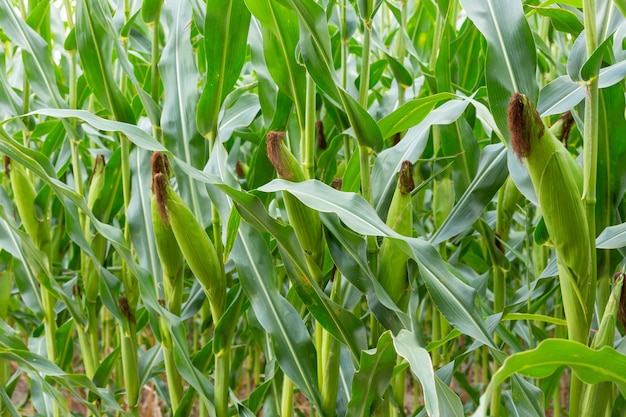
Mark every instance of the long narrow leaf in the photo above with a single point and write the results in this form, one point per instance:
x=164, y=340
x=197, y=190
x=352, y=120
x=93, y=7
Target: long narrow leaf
x=508, y=68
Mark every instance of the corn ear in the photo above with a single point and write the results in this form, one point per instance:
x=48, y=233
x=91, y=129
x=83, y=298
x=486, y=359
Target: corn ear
x=557, y=180
x=562, y=127
x=304, y=220
x=167, y=247
x=193, y=241
x=392, y=264
x=508, y=197
x=91, y=277
x=25, y=201
x=97, y=181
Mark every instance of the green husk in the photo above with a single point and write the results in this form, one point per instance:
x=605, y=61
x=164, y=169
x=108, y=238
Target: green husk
x=25, y=198
x=557, y=180
x=304, y=220
x=194, y=243
x=167, y=247
x=392, y=265
x=98, y=243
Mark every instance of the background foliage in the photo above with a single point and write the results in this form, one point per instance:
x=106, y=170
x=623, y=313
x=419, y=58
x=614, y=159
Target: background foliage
x=304, y=295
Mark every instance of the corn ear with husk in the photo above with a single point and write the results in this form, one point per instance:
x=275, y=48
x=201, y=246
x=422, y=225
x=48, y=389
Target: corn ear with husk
x=557, y=180
x=98, y=243
x=508, y=197
x=304, y=220
x=194, y=243
x=25, y=196
x=168, y=250
x=392, y=264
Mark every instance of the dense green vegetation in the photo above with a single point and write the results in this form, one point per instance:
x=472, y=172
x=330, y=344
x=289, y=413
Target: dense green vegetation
x=312, y=207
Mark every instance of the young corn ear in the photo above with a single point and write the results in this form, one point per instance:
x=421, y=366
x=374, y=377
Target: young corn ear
x=25, y=197
x=168, y=250
x=392, y=264
x=557, y=180
x=193, y=241
x=304, y=220
x=507, y=205
x=91, y=276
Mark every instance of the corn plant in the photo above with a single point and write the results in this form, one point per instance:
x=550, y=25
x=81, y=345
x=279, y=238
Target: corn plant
x=312, y=207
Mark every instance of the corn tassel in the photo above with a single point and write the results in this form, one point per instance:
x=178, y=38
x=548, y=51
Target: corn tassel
x=557, y=180
x=194, y=243
x=392, y=270
x=304, y=220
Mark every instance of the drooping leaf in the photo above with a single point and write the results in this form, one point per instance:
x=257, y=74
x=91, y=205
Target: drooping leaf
x=454, y=298
x=588, y=364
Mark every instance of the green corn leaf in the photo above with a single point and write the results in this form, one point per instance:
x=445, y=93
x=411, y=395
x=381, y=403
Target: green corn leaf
x=95, y=45
x=509, y=69
x=180, y=87
x=588, y=364
x=454, y=298
x=411, y=113
x=492, y=173
x=316, y=53
x=40, y=70
x=421, y=366
x=290, y=338
x=225, y=34
x=370, y=382
x=279, y=27
x=410, y=148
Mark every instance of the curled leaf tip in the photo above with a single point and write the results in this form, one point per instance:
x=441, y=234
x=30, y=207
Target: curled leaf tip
x=159, y=188
x=405, y=180
x=524, y=124
x=276, y=152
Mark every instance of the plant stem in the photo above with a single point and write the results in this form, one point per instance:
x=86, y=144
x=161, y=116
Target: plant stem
x=222, y=381
x=331, y=356
x=590, y=155
x=308, y=136
x=366, y=186
x=347, y=151
x=286, y=404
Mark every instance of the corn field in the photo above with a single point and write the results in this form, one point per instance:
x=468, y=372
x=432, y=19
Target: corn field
x=329, y=208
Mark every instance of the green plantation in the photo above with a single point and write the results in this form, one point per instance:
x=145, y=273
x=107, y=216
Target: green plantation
x=321, y=208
